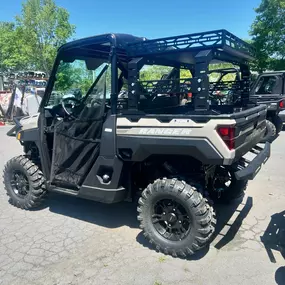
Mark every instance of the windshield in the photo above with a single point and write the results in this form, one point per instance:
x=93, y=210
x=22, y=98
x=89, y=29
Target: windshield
x=81, y=79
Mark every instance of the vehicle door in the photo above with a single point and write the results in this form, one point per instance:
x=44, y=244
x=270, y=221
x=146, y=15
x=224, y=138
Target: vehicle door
x=78, y=100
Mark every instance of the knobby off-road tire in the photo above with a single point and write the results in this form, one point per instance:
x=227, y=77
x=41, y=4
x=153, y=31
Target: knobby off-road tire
x=270, y=132
x=197, y=210
x=24, y=183
x=278, y=124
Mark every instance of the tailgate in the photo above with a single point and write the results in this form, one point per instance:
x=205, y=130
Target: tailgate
x=250, y=128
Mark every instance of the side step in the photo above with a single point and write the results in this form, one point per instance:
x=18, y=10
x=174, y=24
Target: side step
x=64, y=191
x=249, y=172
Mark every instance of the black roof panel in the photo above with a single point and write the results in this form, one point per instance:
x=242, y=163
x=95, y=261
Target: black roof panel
x=117, y=40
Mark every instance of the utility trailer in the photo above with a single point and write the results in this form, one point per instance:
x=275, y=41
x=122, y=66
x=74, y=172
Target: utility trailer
x=99, y=145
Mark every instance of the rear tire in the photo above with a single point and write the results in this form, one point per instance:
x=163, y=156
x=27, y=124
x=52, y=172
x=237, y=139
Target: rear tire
x=270, y=132
x=184, y=226
x=24, y=183
x=278, y=124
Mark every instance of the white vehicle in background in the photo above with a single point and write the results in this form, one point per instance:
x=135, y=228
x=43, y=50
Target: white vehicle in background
x=40, y=74
x=41, y=83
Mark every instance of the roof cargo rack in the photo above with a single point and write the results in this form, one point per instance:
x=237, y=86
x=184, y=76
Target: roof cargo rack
x=226, y=44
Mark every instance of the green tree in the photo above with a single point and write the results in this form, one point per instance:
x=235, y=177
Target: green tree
x=156, y=72
x=44, y=27
x=73, y=75
x=268, y=34
x=215, y=75
x=12, y=49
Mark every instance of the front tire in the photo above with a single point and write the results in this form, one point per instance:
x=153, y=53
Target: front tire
x=175, y=217
x=24, y=183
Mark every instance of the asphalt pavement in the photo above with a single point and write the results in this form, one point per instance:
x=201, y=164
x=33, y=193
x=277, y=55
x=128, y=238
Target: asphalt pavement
x=74, y=241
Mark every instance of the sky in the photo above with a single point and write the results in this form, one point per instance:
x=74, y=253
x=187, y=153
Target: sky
x=151, y=18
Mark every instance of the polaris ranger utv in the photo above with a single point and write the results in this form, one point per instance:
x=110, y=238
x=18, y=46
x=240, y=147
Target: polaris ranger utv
x=269, y=89
x=108, y=147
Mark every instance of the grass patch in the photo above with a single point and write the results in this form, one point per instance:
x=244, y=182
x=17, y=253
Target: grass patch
x=161, y=258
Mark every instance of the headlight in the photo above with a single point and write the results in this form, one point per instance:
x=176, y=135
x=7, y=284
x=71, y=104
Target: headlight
x=19, y=136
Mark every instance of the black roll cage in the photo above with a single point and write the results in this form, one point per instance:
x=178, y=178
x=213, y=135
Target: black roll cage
x=111, y=47
x=193, y=52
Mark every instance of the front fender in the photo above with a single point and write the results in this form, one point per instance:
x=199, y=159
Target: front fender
x=15, y=129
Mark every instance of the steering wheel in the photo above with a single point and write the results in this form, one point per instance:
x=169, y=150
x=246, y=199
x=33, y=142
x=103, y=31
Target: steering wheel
x=72, y=101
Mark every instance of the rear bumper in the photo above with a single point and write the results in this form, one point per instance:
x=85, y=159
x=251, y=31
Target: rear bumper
x=253, y=167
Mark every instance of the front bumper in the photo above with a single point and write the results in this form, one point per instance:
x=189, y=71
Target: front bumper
x=253, y=167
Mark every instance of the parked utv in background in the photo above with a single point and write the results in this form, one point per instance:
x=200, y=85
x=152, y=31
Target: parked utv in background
x=269, y=89
x=109, y=148
x=222, y=90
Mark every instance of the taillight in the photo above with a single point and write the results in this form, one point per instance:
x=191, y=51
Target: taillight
x=227, y=134
x=281, y=104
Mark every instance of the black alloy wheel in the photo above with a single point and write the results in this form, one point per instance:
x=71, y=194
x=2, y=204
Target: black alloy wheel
x=171, y=219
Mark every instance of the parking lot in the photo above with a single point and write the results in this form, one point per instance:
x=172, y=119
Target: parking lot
x=73, y=241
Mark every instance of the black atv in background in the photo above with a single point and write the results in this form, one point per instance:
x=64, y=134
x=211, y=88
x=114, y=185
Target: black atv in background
x=224, y=90
x=269, y=89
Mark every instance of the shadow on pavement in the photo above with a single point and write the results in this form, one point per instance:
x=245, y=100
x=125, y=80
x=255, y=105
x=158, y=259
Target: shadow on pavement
x=110, y=216
x=224, y=215
x=120, y=214
x=198, y=255
x=280, y=275
x=274, y=236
